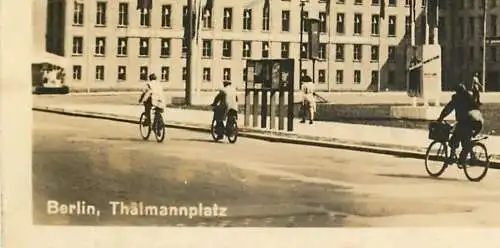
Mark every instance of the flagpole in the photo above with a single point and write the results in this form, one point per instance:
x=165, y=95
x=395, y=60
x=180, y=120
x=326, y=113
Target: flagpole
x=189, y=60
x=483, y=76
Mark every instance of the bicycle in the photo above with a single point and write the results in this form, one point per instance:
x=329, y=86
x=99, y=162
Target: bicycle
x=230, y=129
x=158, y=125
x=440, y=134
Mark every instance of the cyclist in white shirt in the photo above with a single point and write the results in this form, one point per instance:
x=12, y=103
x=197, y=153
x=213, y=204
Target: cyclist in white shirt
x=152, y=95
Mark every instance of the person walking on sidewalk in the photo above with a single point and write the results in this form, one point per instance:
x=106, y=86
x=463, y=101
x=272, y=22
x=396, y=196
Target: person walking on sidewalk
x=308, y=101
x=152, y=95
x=225, y=105
x=476, y=88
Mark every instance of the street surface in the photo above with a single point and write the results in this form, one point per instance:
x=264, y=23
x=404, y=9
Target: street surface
x=262, y=184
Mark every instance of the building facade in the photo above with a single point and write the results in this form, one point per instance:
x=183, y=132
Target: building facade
x=110, y=42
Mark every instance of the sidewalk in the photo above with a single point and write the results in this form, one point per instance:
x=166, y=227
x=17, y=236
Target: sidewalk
x=397, y=141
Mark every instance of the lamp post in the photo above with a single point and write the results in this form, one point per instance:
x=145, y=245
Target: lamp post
x=302, y=3
x=483, y=78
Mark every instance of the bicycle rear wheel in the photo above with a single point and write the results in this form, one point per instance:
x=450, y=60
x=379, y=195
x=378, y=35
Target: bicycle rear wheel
x=435, y=158
x=214, y=131
x=477, y=163
x=232, y=131
x=144, y=129
x=159, y=129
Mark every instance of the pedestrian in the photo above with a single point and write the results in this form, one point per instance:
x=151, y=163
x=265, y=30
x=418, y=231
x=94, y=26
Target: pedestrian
x=476, y=88
x=308, y=101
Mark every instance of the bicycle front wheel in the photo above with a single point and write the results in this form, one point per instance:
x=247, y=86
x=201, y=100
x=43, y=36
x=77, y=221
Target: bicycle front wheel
x=477, y=163
x=214, y=131
x=144, y=128
x=159, y=129
x=435, y=158
x=232, y=131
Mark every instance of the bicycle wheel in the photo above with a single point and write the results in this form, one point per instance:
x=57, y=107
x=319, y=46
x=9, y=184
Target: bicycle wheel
x=213, y=130
x=477, y=163
x=232, y=131
x=159, y=129
x=144, y=129
x=435, y=158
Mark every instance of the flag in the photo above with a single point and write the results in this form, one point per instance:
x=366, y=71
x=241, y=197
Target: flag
x=327, y=7
x=382, y=9
x=209, y=5
x=267, y=4
x=414, y=9
x=144, y=4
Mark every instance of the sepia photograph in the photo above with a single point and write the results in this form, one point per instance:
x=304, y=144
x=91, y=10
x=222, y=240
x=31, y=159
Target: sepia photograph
x=265, y=113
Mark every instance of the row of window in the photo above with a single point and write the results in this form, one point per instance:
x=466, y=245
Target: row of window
x=227, y=49
x=475, y=24
x=207, y=74
x=472, y=54
x=472, y=4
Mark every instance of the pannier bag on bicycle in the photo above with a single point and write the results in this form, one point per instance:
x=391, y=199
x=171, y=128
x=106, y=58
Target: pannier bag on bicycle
x=439, y=131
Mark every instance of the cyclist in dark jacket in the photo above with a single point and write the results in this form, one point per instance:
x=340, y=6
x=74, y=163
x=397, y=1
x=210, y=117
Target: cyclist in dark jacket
x=469, y=121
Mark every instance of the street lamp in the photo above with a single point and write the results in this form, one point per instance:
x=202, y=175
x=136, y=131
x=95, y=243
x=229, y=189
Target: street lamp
x=302, y=3
x=483, y=78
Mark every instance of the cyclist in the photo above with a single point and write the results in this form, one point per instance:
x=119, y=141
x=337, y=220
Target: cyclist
x=152, y=95
x=225, y=104
x=469, y=122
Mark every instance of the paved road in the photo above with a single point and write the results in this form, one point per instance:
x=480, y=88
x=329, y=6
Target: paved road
x=260, y=183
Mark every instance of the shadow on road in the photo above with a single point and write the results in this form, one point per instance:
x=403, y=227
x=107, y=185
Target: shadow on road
x=417, y=177
x=207, y=140
x=122, y=139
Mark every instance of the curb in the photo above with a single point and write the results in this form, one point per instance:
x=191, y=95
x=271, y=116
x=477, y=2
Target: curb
x=261, y=135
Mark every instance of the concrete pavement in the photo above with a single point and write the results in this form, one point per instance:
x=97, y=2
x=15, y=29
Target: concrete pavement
x=388, y=140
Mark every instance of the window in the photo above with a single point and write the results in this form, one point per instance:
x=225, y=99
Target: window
x=375, y=53
x=184, y=14
x=77, y=45
x=392, y=3
x=471, y=27
x=358, y=2
x=144, y=47
x=471, y=4
x=227, y=74
x=374, y=80
x=100, y=45
x=206, y=74
x=392, y=26
x=101, y=14
x=493, y=25
x=184, y=73
x=165, y=47
x=471, y=53
x=357, y=53
x=265, y=49
x=322, y=22
x=322, y=76
x=322, y=51
x=184, y=48
x=123, y=14
x=493, y=54
x=77, y=72
x=99, y=73
x=207, y=19
x=228, y=18
x=493, y=3
x=392, y=77
x=245, y=74
x=358, y=24
x=407, y=2
x=341, y=1
x=285, y=20
x=207, y=48
x=226, y=49
x=247, y=19
x=265, y=19
x=357, y=76
x=461, y=4
x=408, y=25
x=143, y=73
x=78, y=14
x=145, y=18
x=375, y=2
x=340, y=23
x=303, y=73
x=375, y=25
x=305, y=16
x=339, y=77
x=122, y=46
x=339, y=52
x=122, y=73
x=285, y=50
x=166, y=16
x=391, y=55
x=247, y=49
x=165, y=73
x=304, y=51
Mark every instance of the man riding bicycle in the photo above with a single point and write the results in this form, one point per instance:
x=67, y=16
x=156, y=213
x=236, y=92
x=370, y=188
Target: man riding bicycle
x=152, y=95
x=469, y=121
x=225, y=105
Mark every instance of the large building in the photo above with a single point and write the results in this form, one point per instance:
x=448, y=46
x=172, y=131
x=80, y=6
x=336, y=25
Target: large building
x=110, y=42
